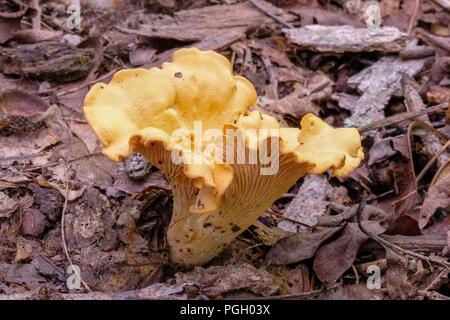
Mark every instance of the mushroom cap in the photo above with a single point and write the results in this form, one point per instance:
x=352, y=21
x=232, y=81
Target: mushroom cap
x=195, y=86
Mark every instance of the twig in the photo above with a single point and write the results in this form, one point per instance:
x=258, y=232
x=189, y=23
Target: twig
x=74, y=119
x=36, y=20
x=63, y=236
x=385, y=243
x=444, y=4
x=288, y=296
x=274, y=17
x=401, y=117
x=279, y=215
x=84, y=85
x=356, y=274
x=52, y=164
x=432, y=160
x=412, y=21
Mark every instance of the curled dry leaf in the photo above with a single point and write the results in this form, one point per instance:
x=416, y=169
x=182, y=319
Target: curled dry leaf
x=438, y=196
x=380, y=151
x=86, y=135
x=353, y=292
x=333, y=259
x=9, y=24
x=25, y=275
x=397, y=282
x=300, y=246
x=21, y=111
x=7, y=205
x=33, y=223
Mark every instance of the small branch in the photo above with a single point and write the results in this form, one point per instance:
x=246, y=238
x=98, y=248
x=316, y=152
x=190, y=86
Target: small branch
x=63, y=236
x=279, y=215
x=413, y=19
x=401, y=117
x=289, y=296
x=392, y=246
x=274, y=17
x=432, y=160
x=36, y=20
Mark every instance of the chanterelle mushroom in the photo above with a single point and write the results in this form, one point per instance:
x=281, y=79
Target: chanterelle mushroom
x=225, y=176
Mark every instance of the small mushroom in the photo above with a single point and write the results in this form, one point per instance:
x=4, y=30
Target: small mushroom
x=216, y=196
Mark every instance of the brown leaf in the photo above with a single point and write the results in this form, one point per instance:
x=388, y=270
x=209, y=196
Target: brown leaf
x=86, y=134
x=300, y=246
x=353, y=292
x=311, y=15
x=141, y=56
x=397, y=283
x=7, y=205
x=299, y=279
x=21, y=112
x=154, y=180
x=333, y=259
x=7, y=28
x=25, y=274
x=380, y=151
x=33, y=223
x=438, y=94
x=438, y=196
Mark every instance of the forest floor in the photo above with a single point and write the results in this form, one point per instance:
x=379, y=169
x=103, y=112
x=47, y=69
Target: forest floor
x=381, y=66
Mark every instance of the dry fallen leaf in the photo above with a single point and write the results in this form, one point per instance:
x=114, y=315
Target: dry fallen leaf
x=438, y=195
x=333, y=259
x=300, y=246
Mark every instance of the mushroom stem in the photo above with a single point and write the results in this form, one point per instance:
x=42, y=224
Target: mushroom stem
x=195, y=239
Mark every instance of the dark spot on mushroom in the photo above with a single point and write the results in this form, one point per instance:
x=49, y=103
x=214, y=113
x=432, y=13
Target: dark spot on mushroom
x=178, y=75
x=152, y=144
x=191, y=230
x=235, y=228
x=222, y=231
x=159, y=162
x=200, y=205
x=206, y=225
x=189, y=250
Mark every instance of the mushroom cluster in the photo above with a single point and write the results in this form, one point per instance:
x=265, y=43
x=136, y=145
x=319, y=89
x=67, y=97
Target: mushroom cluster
x=226, y=164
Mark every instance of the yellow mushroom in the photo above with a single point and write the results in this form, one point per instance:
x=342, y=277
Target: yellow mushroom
x=226, y=165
